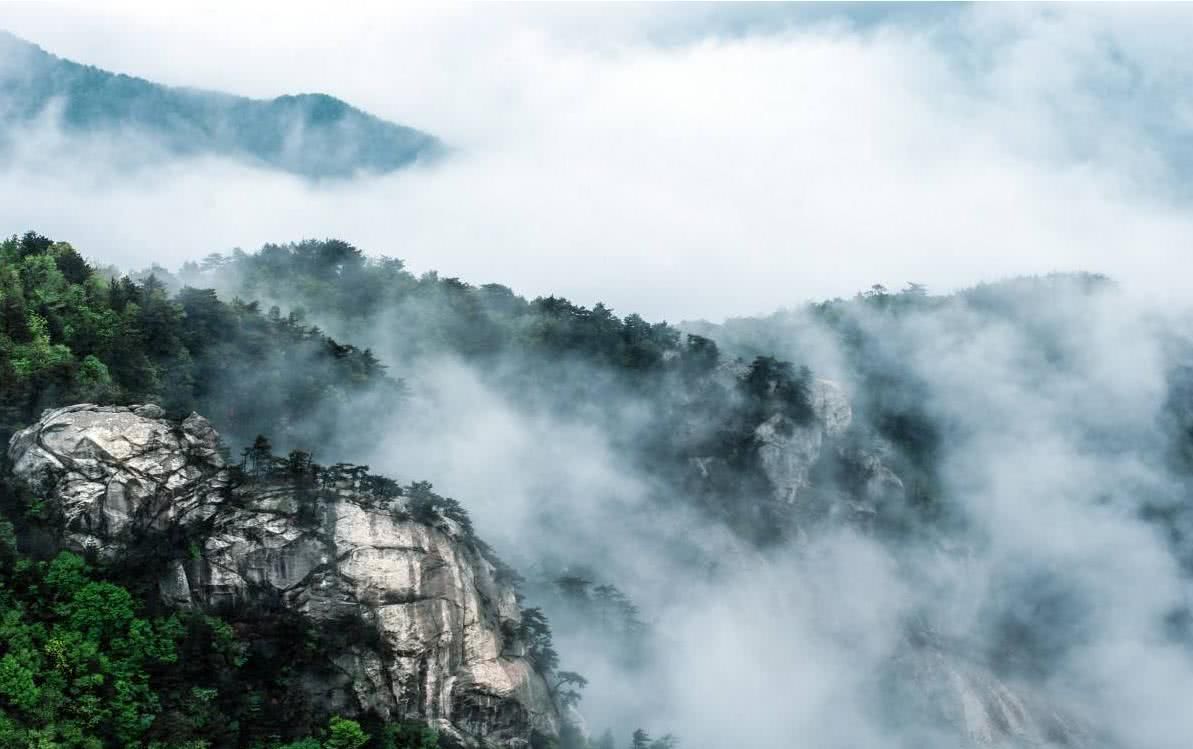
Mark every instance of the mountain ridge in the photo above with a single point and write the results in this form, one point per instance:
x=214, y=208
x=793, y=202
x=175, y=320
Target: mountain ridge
x=313, y=135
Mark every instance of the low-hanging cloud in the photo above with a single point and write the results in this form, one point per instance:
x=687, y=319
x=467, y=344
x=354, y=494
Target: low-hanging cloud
x=805, y=159
x=1047, y=576
x=730, y=173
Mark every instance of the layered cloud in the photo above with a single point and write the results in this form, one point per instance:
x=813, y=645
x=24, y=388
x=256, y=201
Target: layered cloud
x=680, y=164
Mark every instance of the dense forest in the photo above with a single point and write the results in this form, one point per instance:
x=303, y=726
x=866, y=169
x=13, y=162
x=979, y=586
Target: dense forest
x=657, y=377
x=73, y=333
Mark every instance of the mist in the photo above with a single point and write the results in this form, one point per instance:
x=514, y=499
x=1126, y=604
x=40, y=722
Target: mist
x=719, y=166
x=799, y=159
x=1047, y=573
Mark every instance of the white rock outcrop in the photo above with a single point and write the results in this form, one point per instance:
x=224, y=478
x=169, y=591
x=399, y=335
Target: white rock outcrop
x=441, y=616
x=788, y=450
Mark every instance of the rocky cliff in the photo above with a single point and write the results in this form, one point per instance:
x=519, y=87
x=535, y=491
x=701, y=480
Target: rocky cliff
x=437, y=618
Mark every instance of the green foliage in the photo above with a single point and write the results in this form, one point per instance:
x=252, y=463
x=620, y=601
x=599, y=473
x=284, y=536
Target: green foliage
x=336, y=283
x=93, y=372
x=302, y=744
x=408, y=735
x=535, y=632
x=426, y=506
x=69, y=334
x=344, y=734
x=83, y=667
x=77, y=658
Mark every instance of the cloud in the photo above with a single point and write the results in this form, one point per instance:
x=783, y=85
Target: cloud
x=726, y=173
x=1045, y=576
x=731, y=169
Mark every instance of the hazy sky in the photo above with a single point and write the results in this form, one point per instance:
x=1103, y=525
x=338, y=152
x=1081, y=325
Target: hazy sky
x=681, y=161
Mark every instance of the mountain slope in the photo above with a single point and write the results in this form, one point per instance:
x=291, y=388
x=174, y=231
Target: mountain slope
x=426, y=623
x=921, y=531
x=264, y=372
x=313, y=135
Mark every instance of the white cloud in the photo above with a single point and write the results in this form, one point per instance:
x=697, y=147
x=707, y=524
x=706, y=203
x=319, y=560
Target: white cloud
x=724, y=175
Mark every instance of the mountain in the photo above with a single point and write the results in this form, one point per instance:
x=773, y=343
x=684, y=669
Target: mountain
x=915, y=510
x=312, y=135
x=411, y=617
x=415, y=618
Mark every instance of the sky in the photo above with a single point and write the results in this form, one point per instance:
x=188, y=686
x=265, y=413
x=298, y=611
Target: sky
x=678, y=161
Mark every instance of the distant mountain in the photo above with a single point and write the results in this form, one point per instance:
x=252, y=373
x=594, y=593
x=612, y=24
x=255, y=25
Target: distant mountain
x=313, y=135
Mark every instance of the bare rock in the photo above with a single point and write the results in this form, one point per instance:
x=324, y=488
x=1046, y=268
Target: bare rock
x=978, y=708
x=439, y=614
x=787, y=449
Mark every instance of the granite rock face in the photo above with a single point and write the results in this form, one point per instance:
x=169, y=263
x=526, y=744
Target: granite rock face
x=440, y=618
x=788, y=450
x=963, y=702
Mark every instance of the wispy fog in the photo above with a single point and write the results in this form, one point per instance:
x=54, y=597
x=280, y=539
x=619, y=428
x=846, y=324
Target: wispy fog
x=676, y=165
x=1042, y=583
x=721, y=165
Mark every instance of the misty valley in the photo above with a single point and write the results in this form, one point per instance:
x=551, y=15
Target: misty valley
x=311, y=495
x=643, y=507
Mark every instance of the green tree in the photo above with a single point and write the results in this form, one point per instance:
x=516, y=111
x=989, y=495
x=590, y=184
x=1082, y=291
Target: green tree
x=77, y=661
x=409, y=735
x=535, y=632
x=566, y=687
x=343, y=733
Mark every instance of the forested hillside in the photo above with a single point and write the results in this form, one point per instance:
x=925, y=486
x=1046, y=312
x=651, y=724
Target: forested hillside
x=73, y=333
x=705, y=386
x=553, y=355
x=143, y=673
x=313, y=135
x=1049, y=336
x=951, y=395
x=654, y=465
x=91, y=658
x=643, y=376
